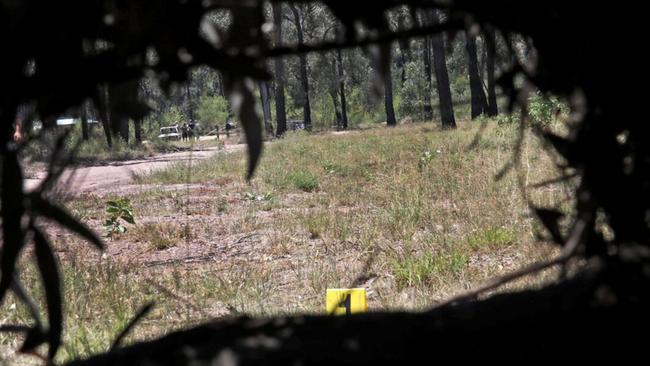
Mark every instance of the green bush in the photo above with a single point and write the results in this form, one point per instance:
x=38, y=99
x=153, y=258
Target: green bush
x=213, y=110
x=410, y=96
x=506, y=119
x=304, y=180
x=544, y=109
x=171, y=117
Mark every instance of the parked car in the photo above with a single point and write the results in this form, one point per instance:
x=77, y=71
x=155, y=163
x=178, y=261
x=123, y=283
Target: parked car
x=170, y=133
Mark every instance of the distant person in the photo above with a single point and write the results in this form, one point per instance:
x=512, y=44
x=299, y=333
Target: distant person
x=229, y=126
x=21, y=116
x=184, y=132
x=18, y=132
x=193, y=131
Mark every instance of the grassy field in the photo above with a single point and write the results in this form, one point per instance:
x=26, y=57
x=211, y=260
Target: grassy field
x=414, y=214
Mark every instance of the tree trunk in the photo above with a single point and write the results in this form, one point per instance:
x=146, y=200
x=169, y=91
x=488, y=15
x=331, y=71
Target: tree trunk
x=106, y=118
x=337, y=112
x=220, y=87
x=490, y=46
x=85, y=135
x=119, y=121
x=388, y=97
x=304, y=77
x=442, y=76
x=188, y=91
x=403, y=45
x=341, y=78
x=280, y=112
x=265, y=96
x=123, y=128
x=426, y=60
x=137, y=127
x=479, y=102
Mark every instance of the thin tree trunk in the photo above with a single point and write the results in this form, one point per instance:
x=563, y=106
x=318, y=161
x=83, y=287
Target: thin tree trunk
x=106, y=118
x=388, y=97
x=188, y=91
x=341, y=78
x=123, y=130
x=404, y=49
x=442, y=76
x=337, y=112
x=304, y=77
x=119, y=121
x=280, y=112
x=137, y=126
x=479, y=101
x=266, y=106
x=426, y=60
x=490, y=45
x=85, y=135
x=221, y=88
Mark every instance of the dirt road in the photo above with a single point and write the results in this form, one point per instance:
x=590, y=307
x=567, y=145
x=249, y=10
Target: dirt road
x=116, y=174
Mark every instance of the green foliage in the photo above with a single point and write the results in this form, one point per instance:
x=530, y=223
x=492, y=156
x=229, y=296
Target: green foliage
x=544, y=109
x=171, y=117
x=304, y=180
x=362, y=110
x=425, y=158
x=504, y=119
x=118, y=211
x=423, y=270
x=491, y=238
x=213, y=110
x=412, y=93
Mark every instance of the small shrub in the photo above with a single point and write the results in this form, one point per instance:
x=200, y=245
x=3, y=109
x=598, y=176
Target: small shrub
x=304, y=180
x=163, y=235
x=491, y=238
x=213, y=110
x=426, y=158
x=118, y=211
x=544, y=109
x=506, y=119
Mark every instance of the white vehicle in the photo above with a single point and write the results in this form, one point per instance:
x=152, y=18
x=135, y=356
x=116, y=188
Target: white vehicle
x=170, y=133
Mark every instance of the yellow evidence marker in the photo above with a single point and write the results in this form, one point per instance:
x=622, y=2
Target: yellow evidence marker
x=346, y=301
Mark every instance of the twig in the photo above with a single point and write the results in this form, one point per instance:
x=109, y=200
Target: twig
x=500, y=281
x=176, y=297
x=200, y=257
x=136, y=319
x=14, y=328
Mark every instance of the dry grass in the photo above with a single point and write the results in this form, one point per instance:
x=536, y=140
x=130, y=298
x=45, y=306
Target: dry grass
x=412, y=213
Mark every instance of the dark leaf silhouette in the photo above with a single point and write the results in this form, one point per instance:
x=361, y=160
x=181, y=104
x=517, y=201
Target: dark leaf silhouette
x=50, y=275
x=561, y=145
x=34, y=338
x=136, y=319
x=550, y=220
x=64, y=218
x=12, y=214
x=244, y=105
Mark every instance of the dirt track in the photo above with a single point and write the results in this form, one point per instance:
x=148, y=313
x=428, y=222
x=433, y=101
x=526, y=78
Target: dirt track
x=116, y=174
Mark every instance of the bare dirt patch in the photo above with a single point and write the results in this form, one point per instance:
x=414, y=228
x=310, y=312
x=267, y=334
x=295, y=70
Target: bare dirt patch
x=114, y=176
